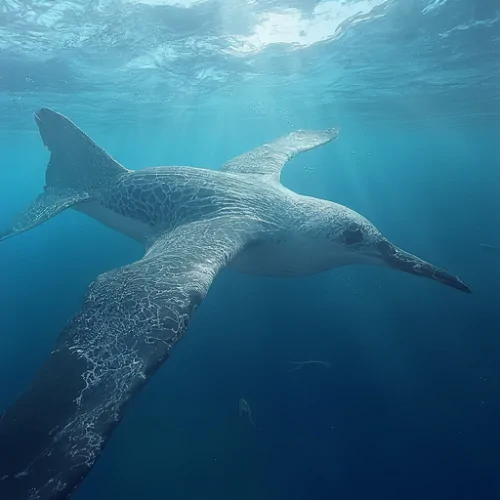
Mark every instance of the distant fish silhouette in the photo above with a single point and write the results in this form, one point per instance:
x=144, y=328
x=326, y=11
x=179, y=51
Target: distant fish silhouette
x=244, y=407
x=301, y=364
x=490, y=249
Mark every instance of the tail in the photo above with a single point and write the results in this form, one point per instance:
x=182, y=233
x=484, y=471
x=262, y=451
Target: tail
x=77, y=169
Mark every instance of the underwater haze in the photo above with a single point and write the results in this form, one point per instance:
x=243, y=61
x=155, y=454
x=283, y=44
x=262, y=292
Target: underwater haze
x=399, y=395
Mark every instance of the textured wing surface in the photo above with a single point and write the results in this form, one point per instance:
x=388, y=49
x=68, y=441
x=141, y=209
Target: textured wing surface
x=269, y=159
x=130, y=321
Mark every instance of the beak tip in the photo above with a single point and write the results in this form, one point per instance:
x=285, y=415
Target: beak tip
x=404, y=261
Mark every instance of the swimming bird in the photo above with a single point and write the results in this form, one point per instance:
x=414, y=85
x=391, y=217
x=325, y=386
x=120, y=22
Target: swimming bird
x=193, y=222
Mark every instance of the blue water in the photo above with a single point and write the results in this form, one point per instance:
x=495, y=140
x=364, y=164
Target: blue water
x=410, y=406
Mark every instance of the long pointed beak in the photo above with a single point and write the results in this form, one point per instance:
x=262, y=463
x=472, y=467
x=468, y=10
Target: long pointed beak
x=403, y=261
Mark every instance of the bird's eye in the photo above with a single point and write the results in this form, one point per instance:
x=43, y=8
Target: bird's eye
x=352, y=235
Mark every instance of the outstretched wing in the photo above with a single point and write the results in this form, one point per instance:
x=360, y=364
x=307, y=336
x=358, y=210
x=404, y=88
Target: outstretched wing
x=130, y=321
x=269, y=159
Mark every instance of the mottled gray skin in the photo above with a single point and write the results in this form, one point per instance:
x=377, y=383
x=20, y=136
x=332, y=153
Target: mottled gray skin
x=193, y=222
x=285, y=233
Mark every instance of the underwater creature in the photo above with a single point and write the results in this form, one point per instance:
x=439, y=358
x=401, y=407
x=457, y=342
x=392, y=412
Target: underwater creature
x=244, y=408
x=193, y=223
x=490, y=249
x=300, y=364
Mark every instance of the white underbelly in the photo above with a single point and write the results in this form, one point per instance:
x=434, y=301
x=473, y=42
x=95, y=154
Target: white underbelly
x=132, y=228
x=286, y=258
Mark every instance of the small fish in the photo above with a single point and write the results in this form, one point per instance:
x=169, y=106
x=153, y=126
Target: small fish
x=244, y=408
x=490, y=249
x=301, y=364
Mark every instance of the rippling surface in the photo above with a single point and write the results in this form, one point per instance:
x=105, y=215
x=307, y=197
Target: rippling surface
x=380, y=58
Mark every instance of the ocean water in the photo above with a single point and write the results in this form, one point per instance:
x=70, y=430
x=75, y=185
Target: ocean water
x=405, y=403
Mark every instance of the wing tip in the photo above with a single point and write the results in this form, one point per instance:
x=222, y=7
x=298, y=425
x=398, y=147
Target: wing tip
x=333, y=132
x=4, y=235
x=321, y=135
